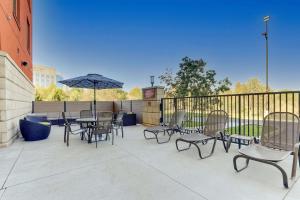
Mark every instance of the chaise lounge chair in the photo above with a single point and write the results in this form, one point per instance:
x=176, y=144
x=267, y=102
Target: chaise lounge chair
x=215, y=125
x=279, y=139
x=175, y=125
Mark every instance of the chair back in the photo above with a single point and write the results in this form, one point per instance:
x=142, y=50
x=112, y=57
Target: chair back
x=280, y=131
x=119, y=117
x=104, y=122
x=215, y=122
x=177, y=119
x=86, y=114
x=104, y=116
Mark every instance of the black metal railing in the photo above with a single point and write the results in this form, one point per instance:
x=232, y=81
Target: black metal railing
x=246, y=111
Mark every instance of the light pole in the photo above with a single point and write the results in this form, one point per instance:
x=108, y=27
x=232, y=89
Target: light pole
x=266, y=35
x=152, y=80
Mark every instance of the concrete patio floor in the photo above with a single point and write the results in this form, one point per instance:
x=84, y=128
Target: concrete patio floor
x=133, y=168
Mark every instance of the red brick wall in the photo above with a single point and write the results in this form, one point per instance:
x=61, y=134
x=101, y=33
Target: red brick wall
x=13, y=35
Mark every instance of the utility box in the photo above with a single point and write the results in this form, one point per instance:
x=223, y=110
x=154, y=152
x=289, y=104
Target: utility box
x=151, y=109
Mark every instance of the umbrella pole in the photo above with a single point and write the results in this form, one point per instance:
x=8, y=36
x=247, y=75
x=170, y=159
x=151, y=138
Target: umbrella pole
x=95, y=99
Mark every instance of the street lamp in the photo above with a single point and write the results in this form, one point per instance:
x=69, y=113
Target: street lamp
x=266, y=35
x=152, y=80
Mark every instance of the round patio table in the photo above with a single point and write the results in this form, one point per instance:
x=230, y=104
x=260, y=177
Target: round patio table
x=92, y=120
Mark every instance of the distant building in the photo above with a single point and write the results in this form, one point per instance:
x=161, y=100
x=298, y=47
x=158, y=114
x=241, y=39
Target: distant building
x=44, y=76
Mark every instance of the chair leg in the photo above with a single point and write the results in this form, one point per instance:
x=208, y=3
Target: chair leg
x=148, y=138
x=211, y=152
x=68, y=136
x=295, y=160
x=228, y=144
x=284, y=176
x=299, y=156
x=122, y=131
x=199, y=151
x=112, y=137
x=170, y=134
x=235, y=165
x=156, y=137
x=223, y=141
x=179, y=140
x=283, y=173
x=197, y=146
x=96, y=141
x=65, y=134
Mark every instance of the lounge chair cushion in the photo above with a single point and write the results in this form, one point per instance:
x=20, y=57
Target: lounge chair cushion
x=264, y=153
x=194, y=137
x=157, y=128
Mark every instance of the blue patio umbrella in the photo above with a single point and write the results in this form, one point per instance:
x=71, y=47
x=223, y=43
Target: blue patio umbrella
x=92, y=81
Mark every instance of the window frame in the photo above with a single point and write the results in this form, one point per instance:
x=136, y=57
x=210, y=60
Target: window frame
x=29, y=5
x=16, y=12
x=28, y=38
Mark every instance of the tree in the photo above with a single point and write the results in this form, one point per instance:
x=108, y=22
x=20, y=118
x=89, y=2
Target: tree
x=253, y=85
x=193, y=79
x=135, y=93
x=59, y=95
x=53, y=93
x=75, y=94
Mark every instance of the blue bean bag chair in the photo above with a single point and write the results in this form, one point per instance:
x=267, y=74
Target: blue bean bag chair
x=37, y=129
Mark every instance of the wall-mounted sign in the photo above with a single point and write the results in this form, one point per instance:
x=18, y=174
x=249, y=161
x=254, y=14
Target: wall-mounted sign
x=149, y=93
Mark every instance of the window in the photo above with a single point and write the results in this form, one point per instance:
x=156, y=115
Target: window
x=16, y=11
x=28, y=32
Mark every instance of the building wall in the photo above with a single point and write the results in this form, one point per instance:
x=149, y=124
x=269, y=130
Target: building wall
x=14, y=35
x=44, y=76
x=16, y=96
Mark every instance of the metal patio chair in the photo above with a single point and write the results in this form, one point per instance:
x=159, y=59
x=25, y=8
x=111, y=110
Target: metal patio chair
x=86, y=114
x=118, y=123
x=103, y=127
x=279, y=139
x=68, y=130
x=174, y=126
x=213, y=127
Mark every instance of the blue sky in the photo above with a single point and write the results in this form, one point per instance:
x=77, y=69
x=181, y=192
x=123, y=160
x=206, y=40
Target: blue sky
x=131, y=40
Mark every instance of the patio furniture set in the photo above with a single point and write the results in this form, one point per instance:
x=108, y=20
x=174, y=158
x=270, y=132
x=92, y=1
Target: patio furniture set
x=92, y=127
x=278, y=140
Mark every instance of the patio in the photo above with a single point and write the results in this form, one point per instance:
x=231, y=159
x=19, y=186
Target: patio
x=132, y=169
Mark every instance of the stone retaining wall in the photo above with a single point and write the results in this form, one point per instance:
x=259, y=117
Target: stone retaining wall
x=16, y=96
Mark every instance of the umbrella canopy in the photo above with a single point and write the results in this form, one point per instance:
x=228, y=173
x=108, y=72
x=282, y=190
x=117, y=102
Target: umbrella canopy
x=92, y=81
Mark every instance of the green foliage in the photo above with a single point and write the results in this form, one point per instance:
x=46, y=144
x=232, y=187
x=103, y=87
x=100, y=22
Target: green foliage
x=193, y=79
x=253, y=85
x=135, y=93
x=52, y=93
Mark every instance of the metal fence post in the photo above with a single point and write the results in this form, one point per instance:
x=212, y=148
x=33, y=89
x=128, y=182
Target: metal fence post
x=161, y=107
x=175, y=105
x=240, y=116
